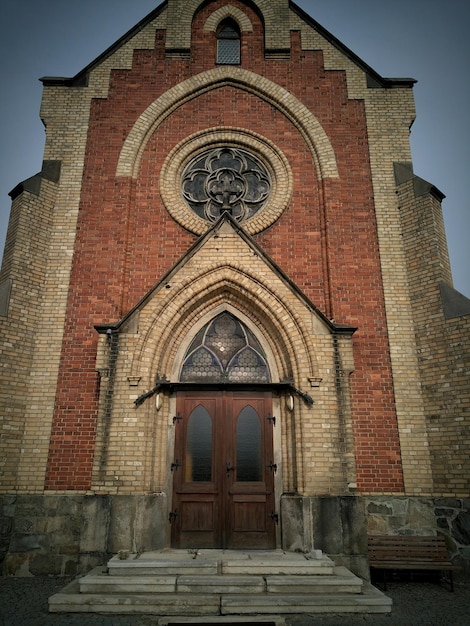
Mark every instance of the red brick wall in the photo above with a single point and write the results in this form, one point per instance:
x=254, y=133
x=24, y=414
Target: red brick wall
x=326, y=241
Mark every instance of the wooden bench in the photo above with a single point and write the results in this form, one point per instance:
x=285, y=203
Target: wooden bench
x=410, y=552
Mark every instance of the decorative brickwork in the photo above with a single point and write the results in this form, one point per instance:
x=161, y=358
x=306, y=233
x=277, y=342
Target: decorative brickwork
x=223, y=13
x=275, y=15
x=108, y=275
x=302, y=118
x=281, y=176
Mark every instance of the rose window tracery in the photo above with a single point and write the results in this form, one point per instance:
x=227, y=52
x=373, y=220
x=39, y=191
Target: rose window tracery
x=226, y=179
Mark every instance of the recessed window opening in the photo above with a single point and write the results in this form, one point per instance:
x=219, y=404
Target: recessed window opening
x=228, y=43
x=225, y=350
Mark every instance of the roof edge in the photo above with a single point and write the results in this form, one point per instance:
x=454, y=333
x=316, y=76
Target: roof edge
x=81, y=78
x=374, y=79
x=337, y=329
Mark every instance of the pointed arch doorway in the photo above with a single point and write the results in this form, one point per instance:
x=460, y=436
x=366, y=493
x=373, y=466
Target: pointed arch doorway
x=223, y=469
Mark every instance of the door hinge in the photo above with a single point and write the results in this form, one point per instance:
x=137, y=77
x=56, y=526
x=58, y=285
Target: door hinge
x=272, y=466
x=174, y=466
x=272, y=419
x=274, y=517
x=172, y=516
x=177, y=418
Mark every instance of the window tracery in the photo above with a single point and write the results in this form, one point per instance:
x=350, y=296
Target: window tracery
x=225, y=350
x=226, y=179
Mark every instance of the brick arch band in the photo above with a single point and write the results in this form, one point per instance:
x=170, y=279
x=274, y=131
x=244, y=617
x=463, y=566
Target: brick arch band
x=275, y=14
x=159, y=342
x=310, y=128
x=241, y=18
x=273, y=158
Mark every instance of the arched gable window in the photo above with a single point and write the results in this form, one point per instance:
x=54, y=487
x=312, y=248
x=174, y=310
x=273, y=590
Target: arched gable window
x=225, y=350
x=228, y=43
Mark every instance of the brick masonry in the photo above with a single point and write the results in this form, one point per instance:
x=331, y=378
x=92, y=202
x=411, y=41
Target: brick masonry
x=140, y=243
x=347, y=242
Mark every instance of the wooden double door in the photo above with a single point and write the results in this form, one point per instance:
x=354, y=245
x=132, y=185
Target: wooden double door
x=223, y=471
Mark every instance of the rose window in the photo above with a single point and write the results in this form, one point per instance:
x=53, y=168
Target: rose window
x=226, y=179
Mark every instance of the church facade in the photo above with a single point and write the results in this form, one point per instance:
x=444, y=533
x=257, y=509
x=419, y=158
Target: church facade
x=226, y=305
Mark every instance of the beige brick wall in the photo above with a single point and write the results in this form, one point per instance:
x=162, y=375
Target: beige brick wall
x=41, y=310
x=24, y=267
x=390, y=113
x=275, y=15
x=443, y=344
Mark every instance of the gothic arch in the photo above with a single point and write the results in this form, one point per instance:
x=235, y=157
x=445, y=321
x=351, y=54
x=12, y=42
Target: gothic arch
x=209, y=316
x=285, y=333
x=310, y=128
x=241, y=18
x=270, y=9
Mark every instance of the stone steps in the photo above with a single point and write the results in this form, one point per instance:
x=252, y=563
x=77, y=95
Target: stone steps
x=210, y=562
x=100, y=582
x=212, y=583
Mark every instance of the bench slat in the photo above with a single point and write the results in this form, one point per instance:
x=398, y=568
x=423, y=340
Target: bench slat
x=410, y=552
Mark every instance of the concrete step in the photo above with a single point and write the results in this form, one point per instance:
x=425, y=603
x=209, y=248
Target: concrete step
x=227, y=620
x=99, y=582
x=221, y=584
x=70, y=600
x=217, y=583
x=342, y=582
x=370, y=601
x=285, y=567
x=210, y=562
x=162, y=567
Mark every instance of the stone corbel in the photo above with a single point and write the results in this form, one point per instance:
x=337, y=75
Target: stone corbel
x=314, y=381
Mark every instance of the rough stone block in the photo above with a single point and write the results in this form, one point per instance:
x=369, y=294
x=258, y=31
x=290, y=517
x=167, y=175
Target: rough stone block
x=461, y=528
x=95, y=524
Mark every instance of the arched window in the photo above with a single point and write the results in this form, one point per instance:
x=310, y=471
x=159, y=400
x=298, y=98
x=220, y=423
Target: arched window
x=228, y=43
x=225, y=350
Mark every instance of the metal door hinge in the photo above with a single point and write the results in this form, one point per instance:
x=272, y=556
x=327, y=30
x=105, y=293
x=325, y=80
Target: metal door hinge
x=177, y=418
x=272, y=419
x=172, y=516
x=174, y=466
x=274, y=517
x=272, y=466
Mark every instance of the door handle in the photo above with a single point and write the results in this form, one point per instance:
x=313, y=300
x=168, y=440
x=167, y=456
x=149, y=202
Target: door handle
x=229, y=468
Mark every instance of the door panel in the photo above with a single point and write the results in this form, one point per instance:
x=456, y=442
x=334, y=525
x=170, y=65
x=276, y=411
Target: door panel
x=248, y=445
x=195, y=491
x=223, y=486
x=197, y=517
x=198, y=453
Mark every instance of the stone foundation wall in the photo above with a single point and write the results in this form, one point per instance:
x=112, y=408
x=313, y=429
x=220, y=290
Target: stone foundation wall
x=388, y=515
x=339, y=525
x=334, y=524
x=68, y=535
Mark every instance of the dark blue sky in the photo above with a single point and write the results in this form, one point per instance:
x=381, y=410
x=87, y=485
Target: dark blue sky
x=424, y=39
